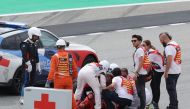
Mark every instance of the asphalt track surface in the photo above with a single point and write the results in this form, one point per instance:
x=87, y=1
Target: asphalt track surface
x=112, y=42
x=115, y=46
x=130, y=22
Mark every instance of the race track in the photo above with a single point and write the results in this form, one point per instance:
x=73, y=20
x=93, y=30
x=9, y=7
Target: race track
x=116, y=47
x=111, y=38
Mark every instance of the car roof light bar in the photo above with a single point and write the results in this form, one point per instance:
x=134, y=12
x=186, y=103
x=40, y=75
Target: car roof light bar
x=14, y=25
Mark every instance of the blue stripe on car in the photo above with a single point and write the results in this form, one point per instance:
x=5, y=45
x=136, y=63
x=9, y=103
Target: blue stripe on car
x=13, y=52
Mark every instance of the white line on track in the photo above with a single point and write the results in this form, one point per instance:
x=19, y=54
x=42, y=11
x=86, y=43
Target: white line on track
x=97, y=7
x=93, y=34
x=149, y=27
x=69, y=37
x=124, y=30
x=175, y=24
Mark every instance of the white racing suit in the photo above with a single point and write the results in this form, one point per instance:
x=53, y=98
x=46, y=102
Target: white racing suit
x=89, y=75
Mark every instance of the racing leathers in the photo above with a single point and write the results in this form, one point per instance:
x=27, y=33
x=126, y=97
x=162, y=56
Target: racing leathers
x=91, y=74
x=30, y=59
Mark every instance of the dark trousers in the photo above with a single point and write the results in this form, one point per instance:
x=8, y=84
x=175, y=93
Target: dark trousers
x=140, y=84
x=32, y=75
x=25, y=82
x=28, y=78
x=155, y=85
x=110, y=96
x=171, y=83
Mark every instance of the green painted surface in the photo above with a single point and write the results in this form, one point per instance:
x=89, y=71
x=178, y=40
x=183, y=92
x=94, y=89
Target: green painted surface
x=20, y=6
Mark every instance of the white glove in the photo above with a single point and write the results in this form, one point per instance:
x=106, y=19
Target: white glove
x=38, y=68
x=29, y=66
x=48, y=82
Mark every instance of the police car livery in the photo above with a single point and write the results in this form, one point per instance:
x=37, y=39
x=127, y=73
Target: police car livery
x=12, y=34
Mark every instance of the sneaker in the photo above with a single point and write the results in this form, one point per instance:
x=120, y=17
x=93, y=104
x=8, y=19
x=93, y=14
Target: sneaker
x=21, y=101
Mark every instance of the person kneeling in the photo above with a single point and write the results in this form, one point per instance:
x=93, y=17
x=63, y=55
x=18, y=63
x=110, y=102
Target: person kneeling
x=123, y=94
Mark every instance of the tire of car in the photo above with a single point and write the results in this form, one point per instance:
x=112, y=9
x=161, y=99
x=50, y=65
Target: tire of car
x=17, y=81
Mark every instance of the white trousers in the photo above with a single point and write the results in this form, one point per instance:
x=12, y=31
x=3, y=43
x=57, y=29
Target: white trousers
x=87, y=75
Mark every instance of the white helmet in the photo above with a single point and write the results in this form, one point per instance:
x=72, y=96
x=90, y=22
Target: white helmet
x=105, y=64
x=113, y=66
x=60, y=42
x=34, y=31
x=148, y=96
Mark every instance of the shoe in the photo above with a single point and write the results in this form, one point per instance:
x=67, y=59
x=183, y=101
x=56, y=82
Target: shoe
x=21, y=101
x=171, y=107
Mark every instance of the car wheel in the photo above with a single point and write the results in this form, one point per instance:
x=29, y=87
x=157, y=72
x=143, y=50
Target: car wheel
x=89, y=59
x=17, y=81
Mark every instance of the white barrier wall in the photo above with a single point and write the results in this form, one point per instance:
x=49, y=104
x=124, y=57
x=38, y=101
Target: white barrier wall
x=45, y=98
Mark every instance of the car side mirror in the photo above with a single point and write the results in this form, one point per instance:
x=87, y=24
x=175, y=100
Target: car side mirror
x=67, y=43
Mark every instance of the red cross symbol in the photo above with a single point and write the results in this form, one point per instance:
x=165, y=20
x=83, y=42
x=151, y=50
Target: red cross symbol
x=44, y=103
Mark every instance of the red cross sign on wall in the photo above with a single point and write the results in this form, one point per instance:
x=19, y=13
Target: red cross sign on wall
x=44, y=103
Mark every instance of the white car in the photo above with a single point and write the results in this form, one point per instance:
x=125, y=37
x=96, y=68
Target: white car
x=12, y=34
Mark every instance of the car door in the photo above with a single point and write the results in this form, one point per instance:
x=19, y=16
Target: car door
x=48, y=41
x=10, y=57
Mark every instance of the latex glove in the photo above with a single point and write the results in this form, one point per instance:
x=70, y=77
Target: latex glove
x=29, y=66
x=38, y=68
x=48, y=82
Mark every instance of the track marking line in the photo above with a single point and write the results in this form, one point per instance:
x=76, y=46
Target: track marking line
x=97, y=7
x=98, y=33
x=68, y=37
x=149, y=27
x=176, y=24
x=124, y=30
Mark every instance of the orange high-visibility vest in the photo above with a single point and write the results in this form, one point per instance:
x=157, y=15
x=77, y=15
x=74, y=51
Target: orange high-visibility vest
x=177, y=58
x=128, y=85
x=64, y=65
x=146, y=62
x=61, y=65
x=158, y=53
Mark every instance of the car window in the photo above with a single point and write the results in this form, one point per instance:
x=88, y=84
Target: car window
x=11, y=43
x=23, y=36
x=48, y=40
